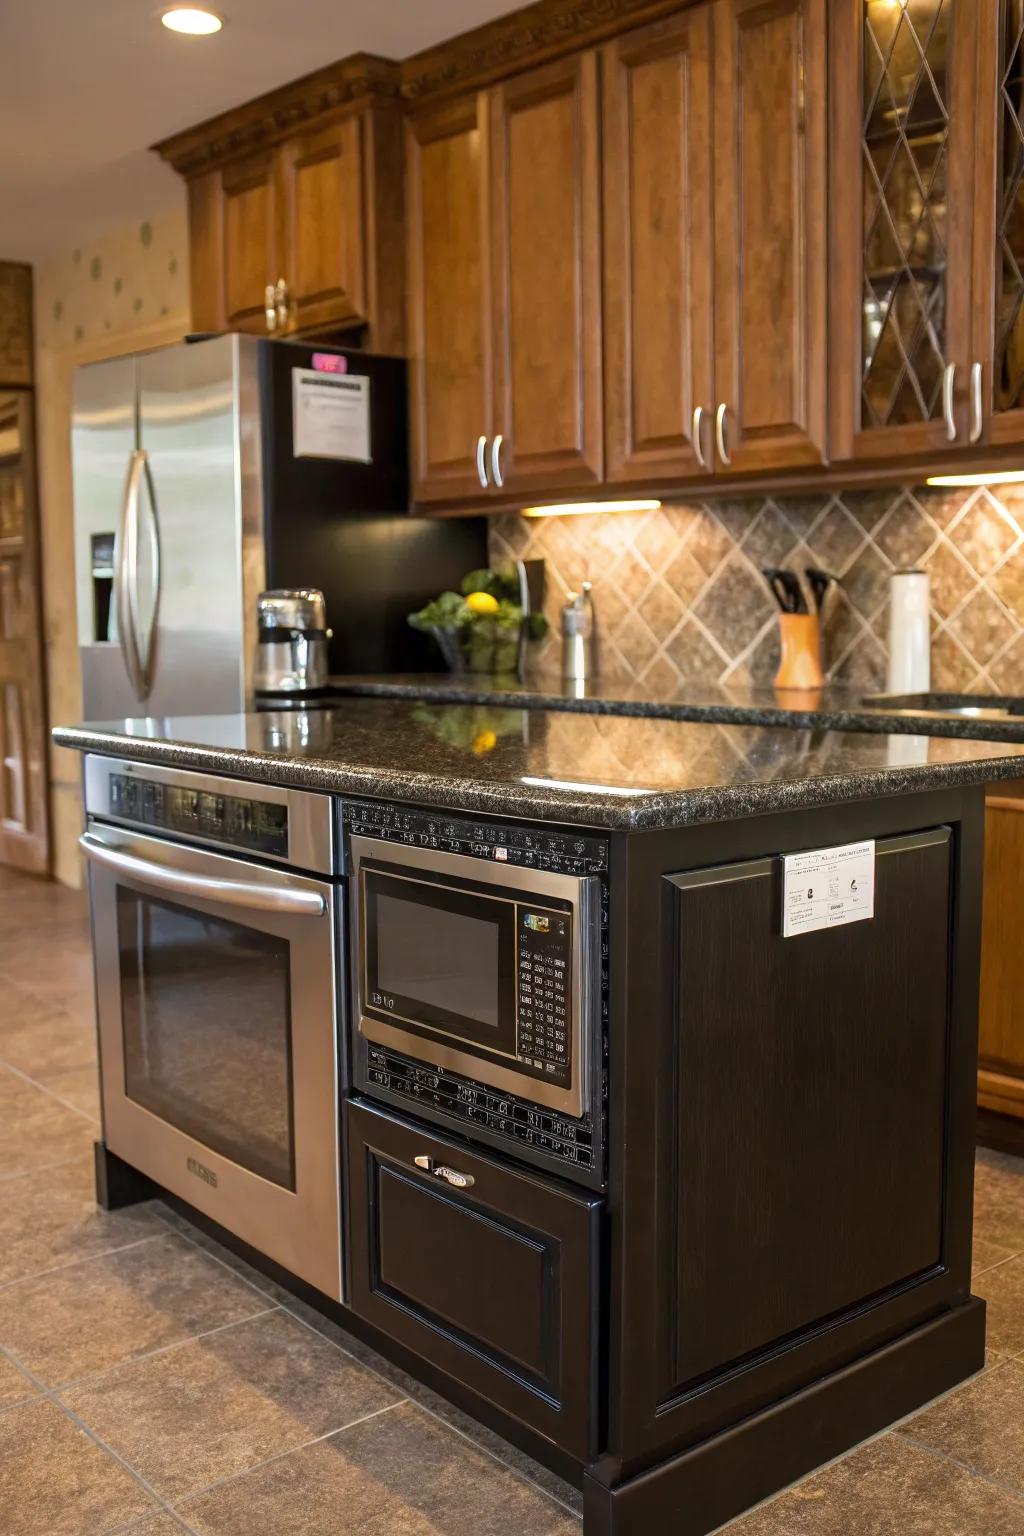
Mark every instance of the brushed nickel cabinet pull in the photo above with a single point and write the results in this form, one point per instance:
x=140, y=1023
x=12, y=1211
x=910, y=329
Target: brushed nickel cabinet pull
x=481, y=462
x=281, y=301
x=698, y=436
x=977, y=407
x=496, y=474
x=270, y=306
x=725, y=457
x=948, y=380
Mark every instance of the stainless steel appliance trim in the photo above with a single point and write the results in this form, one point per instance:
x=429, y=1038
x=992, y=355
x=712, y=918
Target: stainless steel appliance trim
x=580, y=891
x=311, y=833
x=130, y=860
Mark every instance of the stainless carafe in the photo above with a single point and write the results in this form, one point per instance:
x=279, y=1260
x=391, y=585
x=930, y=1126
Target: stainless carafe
x=291, y=653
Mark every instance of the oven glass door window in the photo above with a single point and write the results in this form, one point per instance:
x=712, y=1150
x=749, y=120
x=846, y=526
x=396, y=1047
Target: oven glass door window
x=206, y=1018
x=441, y=959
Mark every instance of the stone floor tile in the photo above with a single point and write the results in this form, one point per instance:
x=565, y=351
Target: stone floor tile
x=63, y=980
x=981, y=1426
x=1003, y=1290
x=50, y=1219
x=39, y=1039
x=97, y=1314
x=79, y=1087
x=15, y=1386
x=35, y=1130
x=193, y=1416
x=988, y=1255
x=56, y=1481
x=400, y=1474
x=999, y=1199
x=888, y=1488
x=164, y=1524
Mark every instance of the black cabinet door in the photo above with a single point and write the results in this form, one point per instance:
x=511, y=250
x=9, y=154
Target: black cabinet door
x=493, y=1280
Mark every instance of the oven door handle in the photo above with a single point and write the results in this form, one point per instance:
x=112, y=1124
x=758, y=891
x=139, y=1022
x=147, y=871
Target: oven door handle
x=233, y=893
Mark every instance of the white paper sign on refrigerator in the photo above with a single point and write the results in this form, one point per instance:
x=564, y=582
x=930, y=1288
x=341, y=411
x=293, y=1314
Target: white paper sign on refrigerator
x=330, y=416
x=828, y=887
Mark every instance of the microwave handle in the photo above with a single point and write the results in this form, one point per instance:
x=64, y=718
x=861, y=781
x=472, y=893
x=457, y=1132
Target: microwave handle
x=235, y=893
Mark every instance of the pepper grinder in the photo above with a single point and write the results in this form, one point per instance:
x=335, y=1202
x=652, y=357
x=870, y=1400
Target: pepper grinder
x=578, y=639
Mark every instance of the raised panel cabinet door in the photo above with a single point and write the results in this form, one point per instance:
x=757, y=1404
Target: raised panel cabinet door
x=904, y=120
x=250, y=252
x=1000, y=1014
x=658, y=249
x=322, y=236
x=770, y=234
x=547, y=295
x=449, y=275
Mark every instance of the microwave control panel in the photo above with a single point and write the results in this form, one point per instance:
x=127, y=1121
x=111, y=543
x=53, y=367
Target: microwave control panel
x=572, y=1147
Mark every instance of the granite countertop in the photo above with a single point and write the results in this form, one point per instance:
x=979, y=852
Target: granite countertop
x=601, y=770
x=829, y=708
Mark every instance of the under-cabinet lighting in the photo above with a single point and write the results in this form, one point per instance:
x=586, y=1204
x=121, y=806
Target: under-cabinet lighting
x=983, y=477
x=581, y=508
x=192, y=20
x=585, y=789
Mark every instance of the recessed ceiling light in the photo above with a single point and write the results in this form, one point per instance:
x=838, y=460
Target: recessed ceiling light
x=192, y=20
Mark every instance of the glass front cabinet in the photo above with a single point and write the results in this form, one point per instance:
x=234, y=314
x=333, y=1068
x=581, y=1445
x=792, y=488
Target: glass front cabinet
x=927, y=228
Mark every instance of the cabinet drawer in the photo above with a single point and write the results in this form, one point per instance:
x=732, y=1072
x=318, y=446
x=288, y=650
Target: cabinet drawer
x=494, y=1282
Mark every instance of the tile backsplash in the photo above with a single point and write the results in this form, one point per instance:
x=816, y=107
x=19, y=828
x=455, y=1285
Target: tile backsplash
x=680, y=598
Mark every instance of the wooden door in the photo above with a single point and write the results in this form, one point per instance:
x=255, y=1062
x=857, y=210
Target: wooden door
x=250, y=253
x=658, y=248
x=449, y=273
x=902, y=171
x=1001, y=1012
x=770, y=233
x=547, y=296
x=321, y=195
x=24, y=839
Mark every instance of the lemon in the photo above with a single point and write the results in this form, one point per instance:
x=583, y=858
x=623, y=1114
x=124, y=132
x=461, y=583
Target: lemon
x=484, y=741
x=482, y=602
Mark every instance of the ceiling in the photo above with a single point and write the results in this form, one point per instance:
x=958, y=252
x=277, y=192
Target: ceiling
x=87, y=85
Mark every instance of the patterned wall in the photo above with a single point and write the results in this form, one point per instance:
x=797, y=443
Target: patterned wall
x=679, y=596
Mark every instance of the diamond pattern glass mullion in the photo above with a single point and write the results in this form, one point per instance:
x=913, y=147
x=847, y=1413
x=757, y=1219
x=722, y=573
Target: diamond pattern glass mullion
x=1008, y=370
x=905, y=134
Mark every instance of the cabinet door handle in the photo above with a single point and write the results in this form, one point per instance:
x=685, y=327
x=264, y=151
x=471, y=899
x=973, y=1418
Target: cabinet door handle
x=270, y=307
x=481, y=461
x=977, y=407
x=496, y=474
x=281, y=301
x=720, y=414
x=451, y=1176
x=698, y=436
x=948, y=380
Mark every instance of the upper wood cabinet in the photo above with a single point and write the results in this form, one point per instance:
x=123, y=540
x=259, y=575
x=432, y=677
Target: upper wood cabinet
x=298, y=229
x=504, y=286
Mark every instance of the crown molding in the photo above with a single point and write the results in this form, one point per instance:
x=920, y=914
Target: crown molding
x=362, y=80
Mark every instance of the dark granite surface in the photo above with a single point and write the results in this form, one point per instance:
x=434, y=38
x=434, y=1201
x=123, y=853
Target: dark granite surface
x=830, y=708
x=588, y=769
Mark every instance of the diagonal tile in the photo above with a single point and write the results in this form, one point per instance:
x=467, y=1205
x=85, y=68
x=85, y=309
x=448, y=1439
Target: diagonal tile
x=39, y=1039
x=400, y=1474
x=983, y=627
x=981, y=1426
x=695, y=658
x=79, y=1087
x=51, y=1219
x=56, y=1481
x=15, y=1386
x=985, y=534
x=35, y=1130
x=94, y=1315
x=987, y=1255
x=906, y=534
x=192, y=1416
x=999, y=1199
x=1007, y=672
x=735, y=606
x=1003, y=1290
x=952, y=668
x=835, y=539
x=889, y=1488
x=950, y=576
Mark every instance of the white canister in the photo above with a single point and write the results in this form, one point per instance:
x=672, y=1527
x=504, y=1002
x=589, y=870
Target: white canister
x=910, y=641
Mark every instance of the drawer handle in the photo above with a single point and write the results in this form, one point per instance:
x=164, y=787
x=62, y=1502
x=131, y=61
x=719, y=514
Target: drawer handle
x=451, y=1176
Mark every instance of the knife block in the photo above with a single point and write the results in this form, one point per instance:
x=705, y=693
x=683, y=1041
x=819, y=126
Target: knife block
x=800, y=664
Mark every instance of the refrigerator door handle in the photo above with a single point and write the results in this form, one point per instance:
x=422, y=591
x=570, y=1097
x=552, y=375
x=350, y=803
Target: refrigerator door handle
x=145, y=654
x=125, y=553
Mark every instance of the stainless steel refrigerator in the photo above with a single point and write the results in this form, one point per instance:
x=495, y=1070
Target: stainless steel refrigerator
x=207, y=472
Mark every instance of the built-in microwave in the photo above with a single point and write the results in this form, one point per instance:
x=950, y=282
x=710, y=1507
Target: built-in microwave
x=478, y=966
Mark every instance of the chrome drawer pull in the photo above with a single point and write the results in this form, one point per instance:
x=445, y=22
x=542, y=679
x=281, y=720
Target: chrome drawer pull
x=451, y=1176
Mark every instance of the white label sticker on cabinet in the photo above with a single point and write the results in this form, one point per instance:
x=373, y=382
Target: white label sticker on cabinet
x=828, y=887
x=330, y=415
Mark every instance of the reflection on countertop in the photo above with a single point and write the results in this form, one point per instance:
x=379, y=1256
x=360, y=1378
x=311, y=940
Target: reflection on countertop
x=590, y=769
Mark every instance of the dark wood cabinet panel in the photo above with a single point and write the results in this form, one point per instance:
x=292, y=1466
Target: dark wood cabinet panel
x=1001, y=1014
x=449, y=267
x=495, y=1283
x=321, y=241
x=250, y=252
x=658, y=248
x=770, y=231
x=547, y=298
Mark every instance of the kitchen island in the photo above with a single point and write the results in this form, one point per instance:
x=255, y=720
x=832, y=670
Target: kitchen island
x=726, y=1233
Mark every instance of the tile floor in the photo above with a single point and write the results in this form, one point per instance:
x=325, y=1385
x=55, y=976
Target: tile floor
x=150, y=1382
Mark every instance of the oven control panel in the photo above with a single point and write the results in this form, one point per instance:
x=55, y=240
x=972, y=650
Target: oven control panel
x=256, y=825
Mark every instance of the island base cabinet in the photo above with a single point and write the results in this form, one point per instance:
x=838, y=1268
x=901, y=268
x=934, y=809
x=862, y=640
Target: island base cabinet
x=488, y=1273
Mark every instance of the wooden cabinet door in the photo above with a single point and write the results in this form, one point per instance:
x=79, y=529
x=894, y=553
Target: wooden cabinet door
x=449, y=274
x=904, y=119
x=1001, y=1014
x=250, y=252
x=322, y=238
x=770, y=232
x=547, y=298
x=658, y=248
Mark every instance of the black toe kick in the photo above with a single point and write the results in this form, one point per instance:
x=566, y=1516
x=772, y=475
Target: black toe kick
x=715, y=1481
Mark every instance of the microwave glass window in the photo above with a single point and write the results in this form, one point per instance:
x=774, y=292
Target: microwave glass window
x=439, y=957
x=206, y=1015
